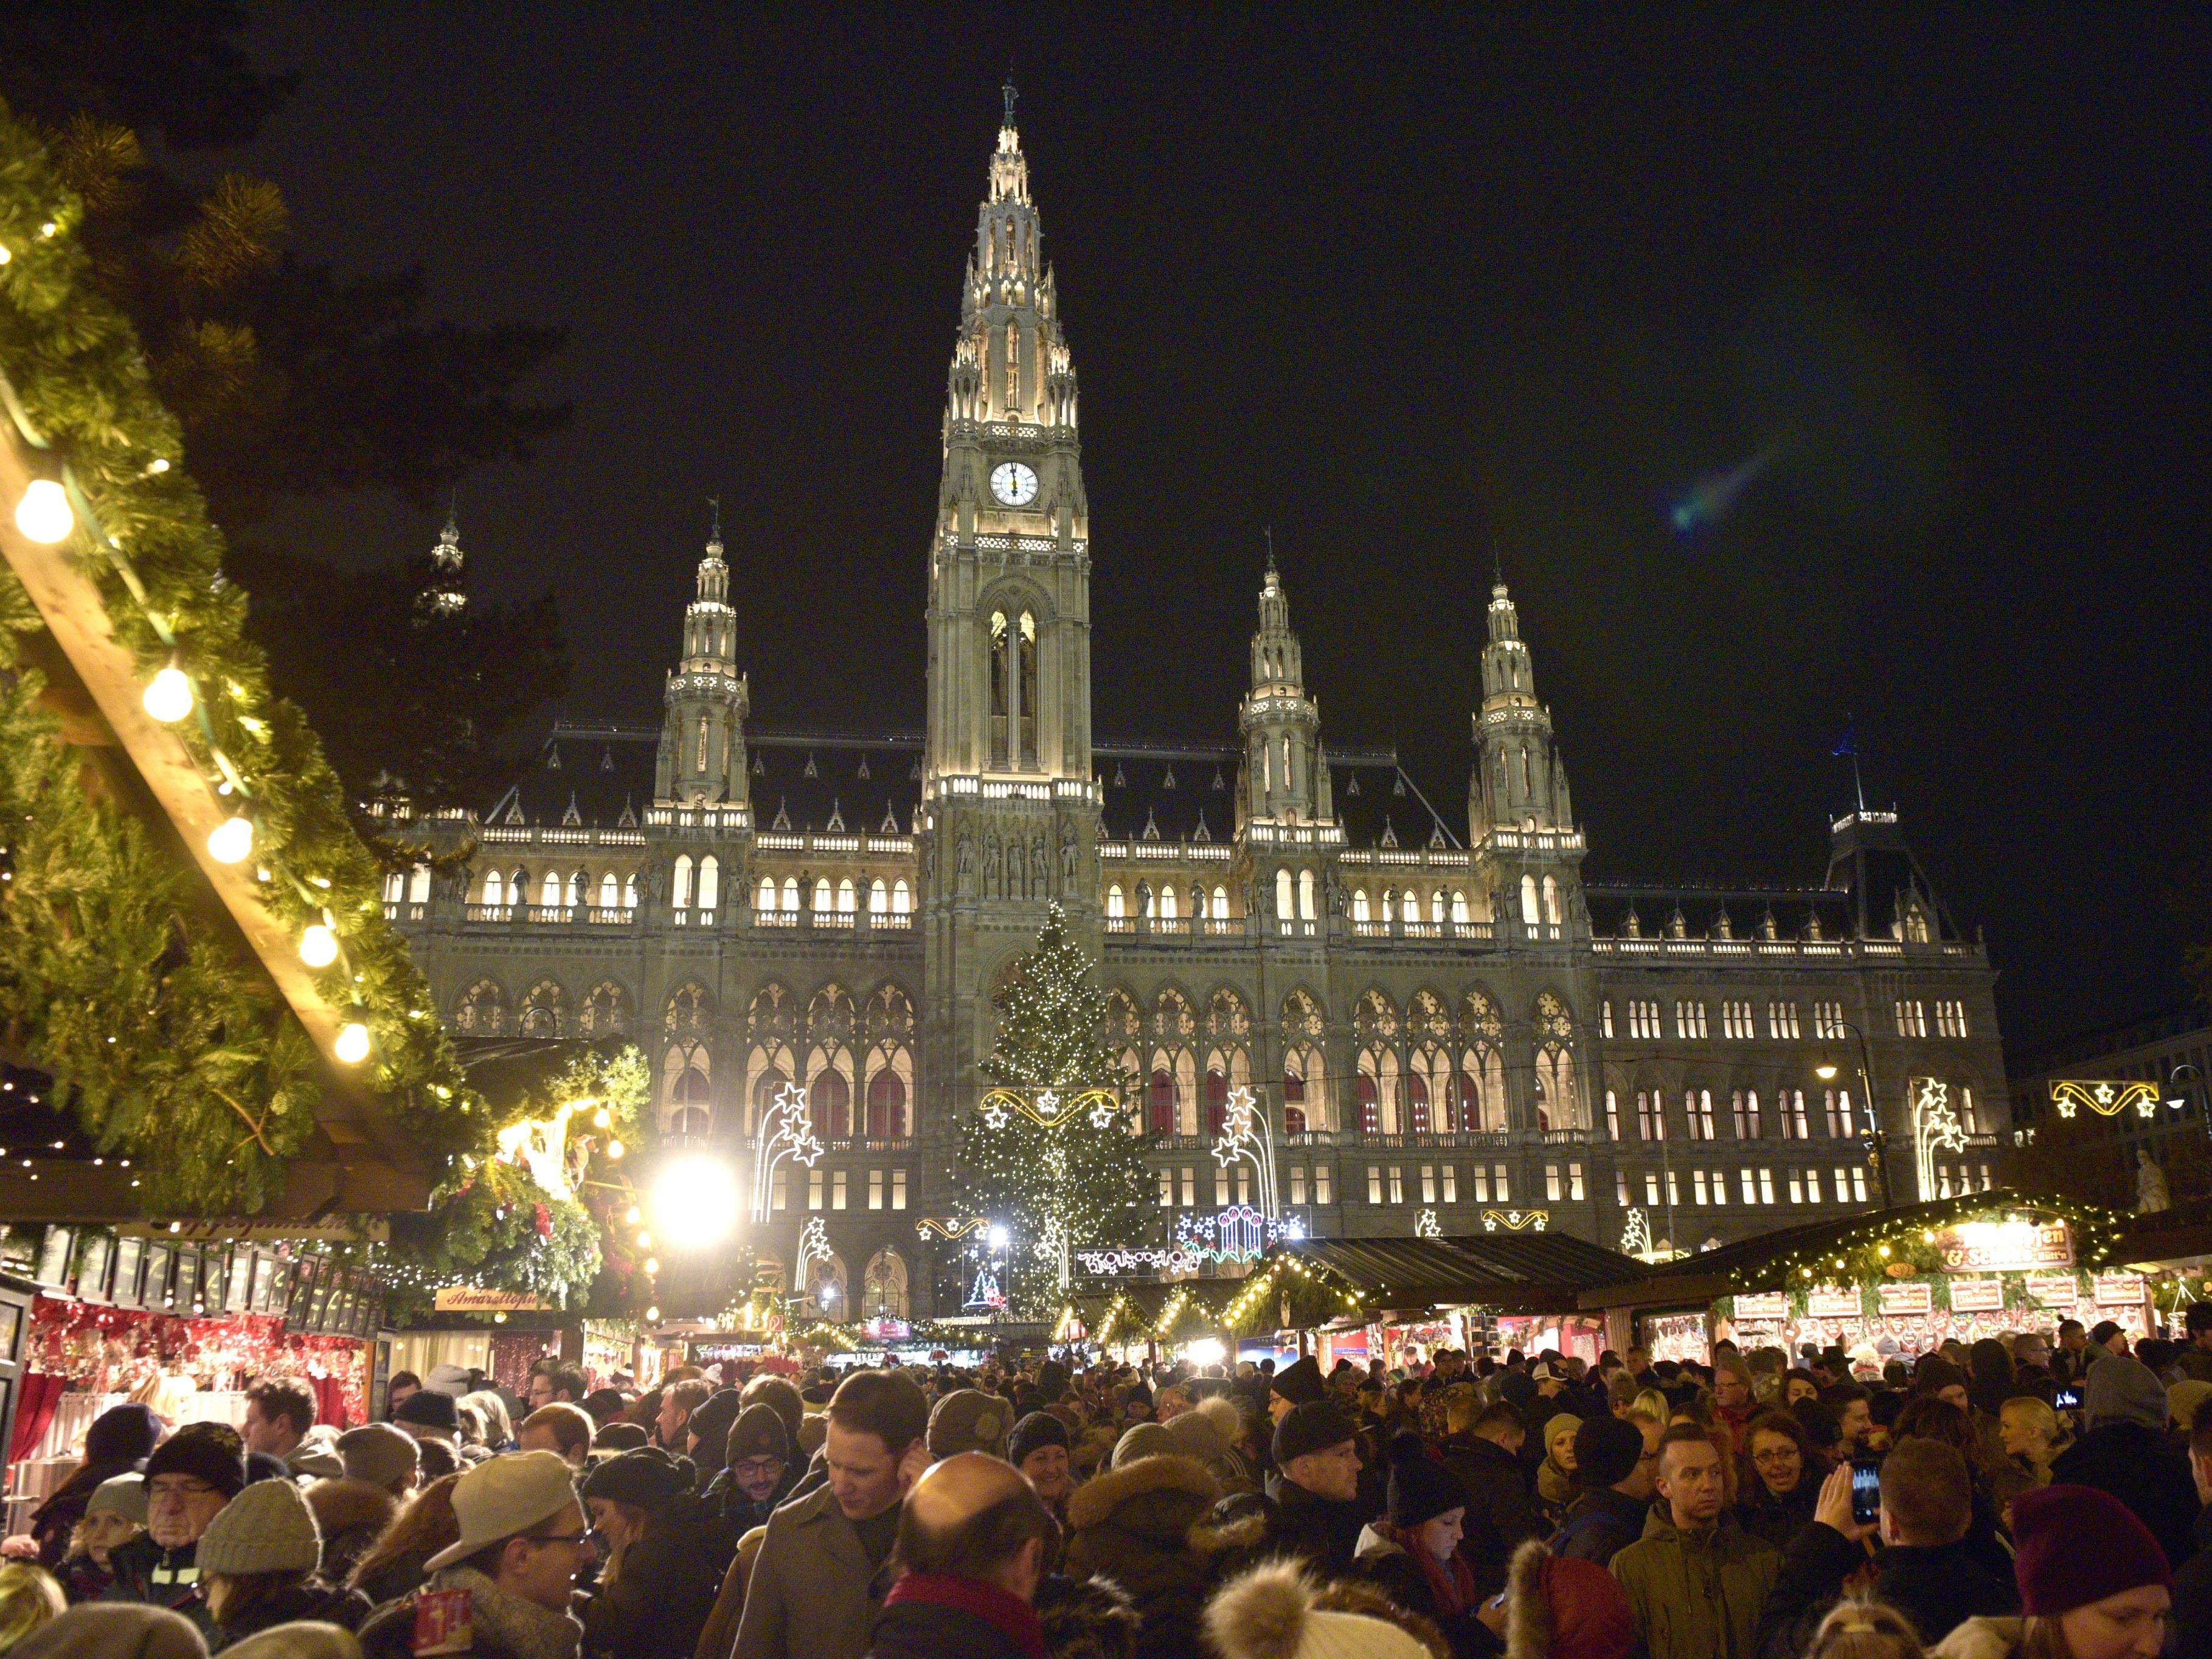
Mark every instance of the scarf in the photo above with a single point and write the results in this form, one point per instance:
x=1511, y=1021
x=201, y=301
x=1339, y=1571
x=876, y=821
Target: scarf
x=1002, y=1610
x=1450, y=1582
x=1554, y=1484
x=522, y=1627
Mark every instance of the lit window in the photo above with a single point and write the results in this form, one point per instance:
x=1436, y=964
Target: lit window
x=1481, y=1177
x=1324, y=1178
x=1697, y=1185
x=1575, y=1181
x=1497, y=1182
x=1766, y=1186
x=880, y=898
x=814, y=1189
x=782, y=1199
x=1189, y=1187
x=875, y=1189
x=822, y=898
x=1674, y=1187
x=1551, y=1183
x=1782, y=1021
x=1298, y=1183
x=837, y=1189
x=1605, y=1018
x=1844, y=1185
x=1750, y=1186
x=1858, y=1183
x=898, y=1189
x=1397, y=1185
x=1621, y=1187
x=1797, y=1189
x=1827, y=1021
x=1428, y=1184
x=1689, y=1019
x=902, y=898
x=1651, y=1116
x=1373, y=1183
x=1167, y=1189
x=1221, y=1185
x=1911, y=1017
x=1451, y=1185
x=1698, y=1106
x=1611, y=1115
x=1650, y=1188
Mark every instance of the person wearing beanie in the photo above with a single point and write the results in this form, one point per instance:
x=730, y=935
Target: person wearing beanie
x=1039, y=1447
x=1555, y=1475
x=1138, y=1525
x=114, y=1515
x=112, y=1630
x=1412, y=1549
x=2124, y=1452
x=1315, y=1487
x=1198, y=1434
x=967, y=1419
x=523, y=1539
x=758, y=1470
x=2093, y=1583
x=379, y=1465
x=260, y=1562
x=666, y=1549
x=429, y=1414
x=118, y=1442
x=1294, y=1385
x=190, y=1477
x=1275, y=1611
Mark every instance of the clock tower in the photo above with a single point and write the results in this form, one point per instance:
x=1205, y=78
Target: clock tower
x=1010, y=809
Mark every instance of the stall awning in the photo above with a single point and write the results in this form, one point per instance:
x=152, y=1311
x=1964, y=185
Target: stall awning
x=1524, y=1273
x=1777, y=1261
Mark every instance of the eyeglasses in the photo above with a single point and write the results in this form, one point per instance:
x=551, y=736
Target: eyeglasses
x=1779, y=1455
x=757, y=1468
x=177, y=1492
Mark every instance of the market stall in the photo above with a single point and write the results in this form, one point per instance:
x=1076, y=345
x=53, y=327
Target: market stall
x=1891, y=1284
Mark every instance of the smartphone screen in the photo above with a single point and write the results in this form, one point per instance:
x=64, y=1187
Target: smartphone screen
x=2068, y=1400
x=1866, y=1490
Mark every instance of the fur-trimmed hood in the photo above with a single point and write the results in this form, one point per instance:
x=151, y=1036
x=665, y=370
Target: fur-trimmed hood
x=341, y=1505
x=1093, y=1620
x=1103, y=1496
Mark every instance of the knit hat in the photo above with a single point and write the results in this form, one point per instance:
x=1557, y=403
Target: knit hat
x=1549, y=1369
x=266, y=1466
x=125, y=1495
x=1299, y=1382
x=758, y=1431
x=429, y=1408
x=621, y=1437
x=449, y=1380
x=1312, y=1426
x=967, y=1419
x=1420, y=1490
x=711, y=1422
x=317, y=1454
x=2076, y=1545
x=113, y=1630
x=1606, y=1451
x=1934, y=1374
x=122, y=1434
x=502, y=1496
x=379, y=1453
x=1565, y=1608
x=2183, y=1398
x=647, y=1478
x=268, y=1527
x=1269, y=1614
x=1564, y=1422
x=207, y=1451
x=1145, y=1440
x=1037, y=1429
x=2121, y=1388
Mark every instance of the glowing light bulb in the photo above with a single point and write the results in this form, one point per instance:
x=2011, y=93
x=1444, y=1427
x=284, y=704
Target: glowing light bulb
x=633, y=1217
x=318, y=947
x=352, y=1046
x=652, y=1264
x=652, y=1315
x=44, y=513
x=645, y=1241
x=603, y=1119
x=168, y=697
x=231, y=841
x=614, y=1149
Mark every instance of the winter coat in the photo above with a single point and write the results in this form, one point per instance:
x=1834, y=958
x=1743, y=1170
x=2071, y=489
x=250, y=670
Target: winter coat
x=1600, y=1524
x=403, y=1575
x=2135, y=1464
x=501, y=1625
x=117, y=1442
x=1934, y=1586
x=742, y=1514
x=1133, y=1525
x=311, y=1598
x=143, y=1572
x=2193, y=1598
x=352, y=1515
x=1323, y=1531
x=1778, y=1521
x=812, y=1592
x=1980, y=1638
x=938, y=1616
x=1386, y=1564
x=1555, y=1490
x=1697, y=1594
x=1093, y=1620
x=656, y=1605
x=1500, y=1513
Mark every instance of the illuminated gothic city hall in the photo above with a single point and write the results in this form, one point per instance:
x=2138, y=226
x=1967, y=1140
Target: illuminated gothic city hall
x=1446, y=1027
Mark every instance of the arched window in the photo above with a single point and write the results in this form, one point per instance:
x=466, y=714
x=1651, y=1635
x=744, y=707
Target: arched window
x=549, y=891
x=609, y=892
x=1116, y=905
x=1221, y=904
x=1529, y=911
x=1437, y=907
x=1305, y=894
x=1413, y=906
x=629, y=891
x=886, y=1105
x=606, y=1011
x=822, y=895
x=693, y=1106
x=1027, y=689
x=1160, y=1100
x=1283, y=900
x=544, y=1011
x=790, y=892
x=830, y=1104
x=1417, y=1103
x=680, y=890
x=483, y=1010
x=880, y=897
x=1359, y=904
x=1217, y=1103
x=710, y=882
x=1294, y=1095
x=495, y=889
x=901, y=899
x=883, y=1287
x=1363, y=1090
x=579, y=885
x=1552, y=900
x=1167, y=901
x=846, y=899
x=767, y=899
x=1481, y=1077
x=1459, y=907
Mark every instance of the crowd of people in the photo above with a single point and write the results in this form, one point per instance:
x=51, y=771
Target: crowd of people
x=2005, y=1501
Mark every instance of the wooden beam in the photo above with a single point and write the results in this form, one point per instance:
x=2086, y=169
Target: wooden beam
x=69, y=1190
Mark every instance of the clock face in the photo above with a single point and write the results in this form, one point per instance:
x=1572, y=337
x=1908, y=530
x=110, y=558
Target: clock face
x=1014, y=483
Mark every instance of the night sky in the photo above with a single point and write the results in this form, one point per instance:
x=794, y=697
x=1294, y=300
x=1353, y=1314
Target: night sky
x=1405, y=289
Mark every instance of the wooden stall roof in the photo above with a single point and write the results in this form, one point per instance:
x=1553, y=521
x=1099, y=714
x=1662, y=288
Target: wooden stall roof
x=1758, y=1263
x=1523, y=1273
x=2180, y=1237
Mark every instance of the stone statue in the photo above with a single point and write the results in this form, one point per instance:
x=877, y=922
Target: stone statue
x=1040, y=869
x=656, y=885
x=2152, y=1194
x=993, y=866
x=967, y=865
x=1068, y=859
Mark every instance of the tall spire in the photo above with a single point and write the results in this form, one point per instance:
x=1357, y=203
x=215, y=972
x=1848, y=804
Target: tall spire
x=703, y=753
x=445, y=594
x=1281, y=725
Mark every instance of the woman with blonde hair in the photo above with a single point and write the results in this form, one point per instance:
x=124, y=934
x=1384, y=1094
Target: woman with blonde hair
x=2032, y=1436
x=498, y=1427
x=29, y=1597
x=1857, y=1629
x=1650, y=1402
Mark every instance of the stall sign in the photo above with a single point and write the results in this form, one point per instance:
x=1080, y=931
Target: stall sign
x=1896, y=1300
x=1763, y=1309
x=2054, y=1290
x=1831, y=1303
x=2005, y=1246
x=468, y=1299
x=1977, y=1296
x=353, y=1230
x=2119, y=1289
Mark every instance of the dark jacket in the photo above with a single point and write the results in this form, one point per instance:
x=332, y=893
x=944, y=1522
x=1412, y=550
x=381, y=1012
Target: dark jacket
x=2135, y=1464
x=2193, y=1598
x=403, y=1575
x=1500, y=1511
x=145, y=1572
x=739, y=1511
x=1937, y=1587
x=352, y=1516
x=1135, y=1526
x=656, y=1605
x=389, y=1632
x=117, y=1442
x=1322, y=1531
x=1780, y=1520
x=1600, y=1524
x=1388, y=1564
x=937, y=1616
x=312, y=1598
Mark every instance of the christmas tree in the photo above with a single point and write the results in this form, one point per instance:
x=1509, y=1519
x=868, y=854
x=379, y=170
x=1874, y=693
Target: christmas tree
x=1076, y=1179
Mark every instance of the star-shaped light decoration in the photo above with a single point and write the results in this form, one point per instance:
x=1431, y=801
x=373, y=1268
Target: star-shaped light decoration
x=1103, y=1114
x=995, y=1114
x=1426, y=1225
x=790, y=1102
x=1047, y=1104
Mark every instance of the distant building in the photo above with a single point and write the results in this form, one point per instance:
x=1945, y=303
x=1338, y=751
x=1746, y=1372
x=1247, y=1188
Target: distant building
x=1444, y=1024
x=2086, y=1140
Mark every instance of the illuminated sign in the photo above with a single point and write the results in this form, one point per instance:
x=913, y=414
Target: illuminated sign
x=1831, y=1304
x=1238, y=1233
x=2105, y=1099
x=467, y=1299
x=1518, y=1221
x=2004, y=1246
x=1106, y=1264
x=2118, y=1290
x=1763, y=1309
x=1977, y=1295
x=2054, y=1290
x=1900, y=1299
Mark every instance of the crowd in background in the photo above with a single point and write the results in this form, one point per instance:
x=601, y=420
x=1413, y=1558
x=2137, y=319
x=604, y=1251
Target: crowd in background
x=2006, y=1499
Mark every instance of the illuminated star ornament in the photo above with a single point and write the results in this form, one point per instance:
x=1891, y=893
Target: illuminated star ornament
x=786, y=1132
x=1426, y=1225
x=994, y=1112
x=1047, y=1104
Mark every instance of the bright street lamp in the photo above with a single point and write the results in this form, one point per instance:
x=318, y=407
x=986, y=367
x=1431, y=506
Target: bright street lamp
x=695, y=1199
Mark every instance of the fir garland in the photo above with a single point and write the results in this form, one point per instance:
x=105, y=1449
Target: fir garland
x=171, y=1050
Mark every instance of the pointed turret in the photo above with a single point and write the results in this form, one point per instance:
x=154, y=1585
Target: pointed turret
x=1519, y=810
x=445, y=594
x=702, y=739
x=1281, y=725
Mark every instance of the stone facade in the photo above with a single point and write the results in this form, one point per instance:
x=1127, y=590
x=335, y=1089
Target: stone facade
x=1435, y=1019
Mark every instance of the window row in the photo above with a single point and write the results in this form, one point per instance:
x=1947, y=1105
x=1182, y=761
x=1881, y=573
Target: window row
x=833, y=1189
x=1228, y=1187
x=895, y=899
x=1166, y=905
x=1439, y=1184
x=1645, y=1019
x=1654, y=1187
x=554, y=891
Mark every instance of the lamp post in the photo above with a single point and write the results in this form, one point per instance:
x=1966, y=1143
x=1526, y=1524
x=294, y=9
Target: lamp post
x=1877, y=1137
x=2179, y=1102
